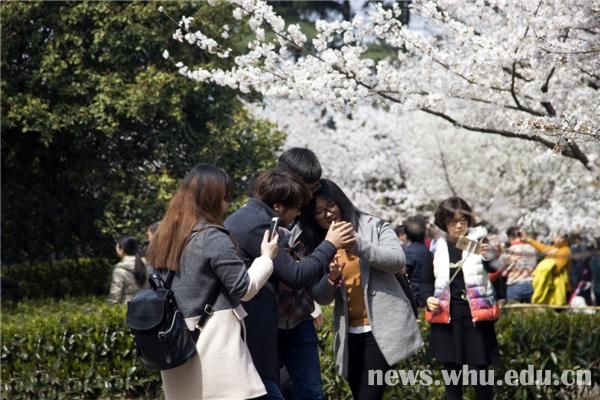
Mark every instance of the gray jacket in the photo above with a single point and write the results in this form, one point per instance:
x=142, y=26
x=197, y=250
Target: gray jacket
x=390, y=315
x=210, y=260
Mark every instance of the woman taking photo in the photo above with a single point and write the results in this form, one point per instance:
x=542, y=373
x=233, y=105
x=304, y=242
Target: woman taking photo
x=373, y=321
x=192, y=241
x=460, y=300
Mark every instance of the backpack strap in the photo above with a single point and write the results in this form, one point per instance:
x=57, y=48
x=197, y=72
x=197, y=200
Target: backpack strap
x=169, y=279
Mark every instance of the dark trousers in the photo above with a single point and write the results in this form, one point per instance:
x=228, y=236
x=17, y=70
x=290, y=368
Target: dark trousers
x=299, y=351
x=364, y=355
x=454, y=392
x=273, y=391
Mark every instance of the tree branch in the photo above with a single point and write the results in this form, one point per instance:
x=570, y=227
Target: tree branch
x=514, y=95
x=570, y=151
x=445, y=169
x=546, y=104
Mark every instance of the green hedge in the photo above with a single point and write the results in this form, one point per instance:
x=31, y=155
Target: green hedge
x=81, y=348
x=58, y=279
x=70, y=349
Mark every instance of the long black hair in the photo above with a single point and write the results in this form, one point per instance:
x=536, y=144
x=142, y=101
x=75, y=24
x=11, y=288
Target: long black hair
x=131, y=247
x=312, y=233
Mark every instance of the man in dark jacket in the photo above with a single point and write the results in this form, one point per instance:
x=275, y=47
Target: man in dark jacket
x=417, y=254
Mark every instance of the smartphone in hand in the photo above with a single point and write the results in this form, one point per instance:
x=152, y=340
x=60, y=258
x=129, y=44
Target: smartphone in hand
x=273, y=227
x=464, y=243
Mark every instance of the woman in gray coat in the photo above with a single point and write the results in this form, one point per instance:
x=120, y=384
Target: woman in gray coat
x=191, y=240
x=373, y=321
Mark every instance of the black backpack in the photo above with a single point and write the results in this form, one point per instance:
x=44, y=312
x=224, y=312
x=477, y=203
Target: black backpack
x=162, y=338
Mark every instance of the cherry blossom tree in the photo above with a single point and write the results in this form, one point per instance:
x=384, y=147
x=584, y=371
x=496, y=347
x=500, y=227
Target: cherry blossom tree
x=396, y=165
x=526, y=71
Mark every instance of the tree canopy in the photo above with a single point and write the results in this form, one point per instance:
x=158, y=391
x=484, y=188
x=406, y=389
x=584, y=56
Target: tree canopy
x=97, y=126
x=522, y=70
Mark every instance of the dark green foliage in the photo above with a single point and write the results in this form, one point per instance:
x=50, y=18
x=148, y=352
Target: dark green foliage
x=98, y=128
x=71, y=350
x=58, y=279
x=81, y=348
x=547, y=340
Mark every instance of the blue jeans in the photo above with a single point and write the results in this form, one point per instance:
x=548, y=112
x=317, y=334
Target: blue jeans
x=299, y=351
x=520, y=291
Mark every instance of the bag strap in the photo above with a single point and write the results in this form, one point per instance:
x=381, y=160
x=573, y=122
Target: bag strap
x=207, y=310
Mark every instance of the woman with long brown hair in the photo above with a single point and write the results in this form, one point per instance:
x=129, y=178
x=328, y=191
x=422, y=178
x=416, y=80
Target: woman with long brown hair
x=191, y=240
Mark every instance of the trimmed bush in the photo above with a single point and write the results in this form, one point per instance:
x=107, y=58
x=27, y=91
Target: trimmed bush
x=543, y=338
x=58, y=279
x=71, y=349
x=81, y=348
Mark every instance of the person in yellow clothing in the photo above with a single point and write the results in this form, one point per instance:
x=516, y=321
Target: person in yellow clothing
x=551, y=276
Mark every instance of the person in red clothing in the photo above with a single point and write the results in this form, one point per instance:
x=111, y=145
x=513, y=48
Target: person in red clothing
x=517, y=265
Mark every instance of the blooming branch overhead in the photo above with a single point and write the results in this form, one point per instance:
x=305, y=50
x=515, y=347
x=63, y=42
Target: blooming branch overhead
x=522, y=70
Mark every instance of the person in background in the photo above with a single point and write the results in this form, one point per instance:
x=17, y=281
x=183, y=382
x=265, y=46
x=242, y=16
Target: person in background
x=595, y=268
x=374, y=325
x=152, y=230
x=417, y=255
x=463, y=311
x=400, y=231
x=434, y=234
x=551, y=278
x=517, y=265
x=150, y=235
x=496, y=245
x=130, y=274
x=209, y=275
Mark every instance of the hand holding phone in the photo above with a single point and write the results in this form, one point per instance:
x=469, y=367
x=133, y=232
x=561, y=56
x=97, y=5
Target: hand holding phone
x=268, y=247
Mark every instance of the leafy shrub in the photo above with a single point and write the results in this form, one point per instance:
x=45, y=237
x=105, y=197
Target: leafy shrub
x=58, y=279
x=81, y=348
x=71, y=349
x=545, y=339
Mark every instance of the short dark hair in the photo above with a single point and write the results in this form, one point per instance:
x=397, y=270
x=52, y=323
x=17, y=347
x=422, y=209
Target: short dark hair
x=513, y=231
x=301, y=162
x=399, y=229
x=415, y=230
x=448, y=208
x=281, y=187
